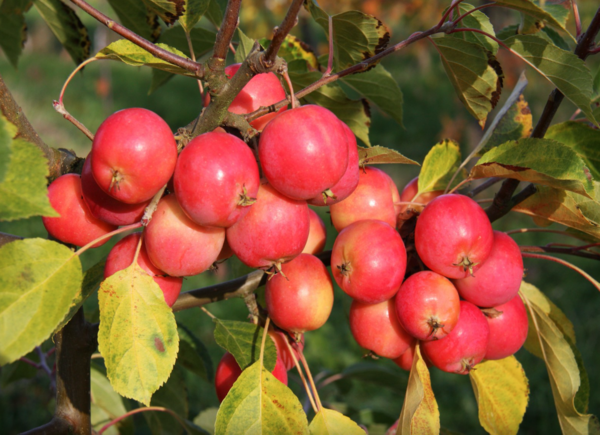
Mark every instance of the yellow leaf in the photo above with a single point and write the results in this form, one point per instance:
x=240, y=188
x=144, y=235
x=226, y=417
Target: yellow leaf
x=330, y=422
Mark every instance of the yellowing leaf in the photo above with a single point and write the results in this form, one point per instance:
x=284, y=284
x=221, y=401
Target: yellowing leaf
x=440, y=164
x=420, y=414
x=330, y=422
x=378, y=155
x=563, y=369
x=294, y=49
x=13, y=30
x=138, y=334
x=502, y=392
x=193, y=11
x=38, y=281
x=258, y=403
x=582, y=139
x=530, y=8
x=168, y=10
x=134, y=15
x=476, y=20
x=516, y=124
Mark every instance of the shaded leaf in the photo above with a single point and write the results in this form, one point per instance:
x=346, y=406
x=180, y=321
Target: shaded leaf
x=552, y=15
x=562, y=369
x=38, y=280
x=356, y=35
x=540, y=161
x=193, y=11
x=564, y=69
x=172, y=395
x=378, y=155
x=244, y=47
x=502, y=392
x=67, y=27
x=138, y=334
x=475, y=74
x=516, y=124
x=556, y=38
x=242, y=340
x=420, y=413
x=206, y=419
x=193, y=355
x=16, y=371
x=214, y=13
x=134, y=15
x=106, y=405
x=582, y=139
x=476, y=20
x=379, y=87
x=259, y=403
x=168, y=10
x=330, y=422
x=440, y=164
x=13, y=30
x=24, y=192
x=294, y=49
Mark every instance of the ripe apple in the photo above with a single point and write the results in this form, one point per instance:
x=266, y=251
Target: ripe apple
x=409, y=194
x=317, y=234
x=508, y=328
x=133, y=155
x=76, y=224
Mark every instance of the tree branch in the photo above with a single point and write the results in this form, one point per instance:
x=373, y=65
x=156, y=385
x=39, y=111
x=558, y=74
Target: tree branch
x=230, y=23
x=161, y=53
x=282, y=31
x=554, y=250
x=7, y=238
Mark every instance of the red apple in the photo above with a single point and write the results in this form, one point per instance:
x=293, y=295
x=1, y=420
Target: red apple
x=409, y=194
x=508, y=328
x=317, y=235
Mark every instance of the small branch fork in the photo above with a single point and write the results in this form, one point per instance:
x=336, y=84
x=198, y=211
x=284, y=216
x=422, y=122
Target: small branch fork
x=282, y=31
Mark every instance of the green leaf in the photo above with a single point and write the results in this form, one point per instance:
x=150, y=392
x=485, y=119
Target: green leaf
x=243, y=340
x=129, y=53
x=378, y=155
x=356, y=36
x=193, y=355
x=138, y=334
x=516, y=124
x=16, y=371
x=564, y=69
x=562, y=367
x=541, y=161
x=134, y=15
x=551, y=15
x=502, y=392
x=555, y=38
x=168, y=10
x=596, y=84
x=38, y=280
x=330, y=422
x=294, y=49
x=214, y=13
x=475, y=74
x=23, y=193
x=13, y=30
x=206, y=419
x=440, y=164
x=582, y=139
x=67, y=27
x=476, y=20
x=7, y=132
x=173, y=396
x=379, y=87
x=259, y=403
x=91, y=281
x=244, y=47
x=420, y=413
x=194, y=10
x=107, y=405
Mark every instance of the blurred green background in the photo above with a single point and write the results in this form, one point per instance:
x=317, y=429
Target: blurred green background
x=431, y=112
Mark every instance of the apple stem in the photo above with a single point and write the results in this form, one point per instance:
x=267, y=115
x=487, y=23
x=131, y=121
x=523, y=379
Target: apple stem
x=310, y=380
x=108, y=235
x=330, y=59
x=60, y=108
x=211, y=315
x=152, y=206
x=264, y=339
x=292, y=352
x=193, y=57
x=286, y=76
x=137, y=249
x=465, y=181
x=137, y=411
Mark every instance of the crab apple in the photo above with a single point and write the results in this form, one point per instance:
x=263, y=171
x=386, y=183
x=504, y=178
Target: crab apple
x=226, y=251
x=373, y=198
x=121, y=256
x=216, y=179
x=453, y=236
x=133, y=155
x=428, y=305
x=409, y=194
x=283, y=353
x=317, y=235
x=76, y=225
x=261, y=91
x=464, y=347
x=376, y=328
x=498, y=279
x=104, y=206
x=274, y=231
x=405, y=361
x=300, y=298
x=228, y=371
x=303, y=152
x=346, y=185
x=508, y=328
x=368, y=261
x=177, y=245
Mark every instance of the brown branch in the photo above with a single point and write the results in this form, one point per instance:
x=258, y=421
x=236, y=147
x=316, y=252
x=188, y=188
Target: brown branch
x=568, y=251
x=161, y=53
x=7, y=238
x=282, y=31
x=230, y=23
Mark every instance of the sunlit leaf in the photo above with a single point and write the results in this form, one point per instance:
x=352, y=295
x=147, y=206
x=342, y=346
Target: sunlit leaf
x=502, y=392
x=475, y=74
x=67, y=27
x=516, y=124
x=172, y=395
x=564, y=69
x=38, y=281
x=439, y=166
x=582, y=139
x=378, y=155
x=193, y=11
x=168, y=10
x=206, y=419
x=420, y=413
x=136, y=16
x=562, y=369
x=476, y=20
x=7, y=132
x=259, y=403
x=242, y=340
x=244, y=47
x=540, y=161
x=138, y=334
x=106, y=405
x=13, y=30
x=551, y=15
x=294, y=49
x=193, y=355
x=330, y=422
